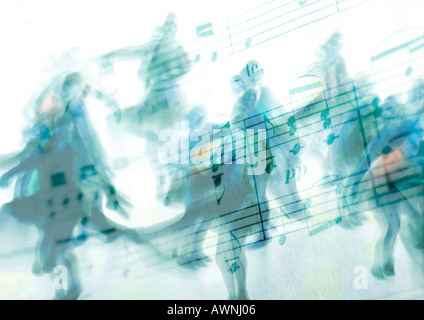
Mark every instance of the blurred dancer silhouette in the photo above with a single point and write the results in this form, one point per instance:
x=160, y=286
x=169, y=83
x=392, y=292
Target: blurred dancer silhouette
x=61, y=182
x=163, y=62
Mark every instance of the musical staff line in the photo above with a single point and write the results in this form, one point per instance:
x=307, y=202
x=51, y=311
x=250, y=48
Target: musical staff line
x=323, y=100
x=224, y=32
x=222, y=49
x=238, y=211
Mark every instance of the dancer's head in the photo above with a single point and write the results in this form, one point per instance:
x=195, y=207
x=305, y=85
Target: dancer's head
x=169, y=28
x=72, y=88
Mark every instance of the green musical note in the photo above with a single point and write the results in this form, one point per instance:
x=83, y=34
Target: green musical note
x=386, y=150
x=217, y=182
x=269, y=167
x=325, y=116
x=237, y=246
x=291, y=122
x=331, y=138
x=378, y=111
x=296, y=149
x=282, y=239
x=234, y=267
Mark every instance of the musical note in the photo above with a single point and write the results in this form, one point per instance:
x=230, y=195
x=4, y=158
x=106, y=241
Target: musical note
x=331, y=138
x=269, y=167
x=282, y=238
x=291, y=122
x=378, y=111
x=325, y=116
x=234, y=266
x=296, y=148
x=217, y=182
